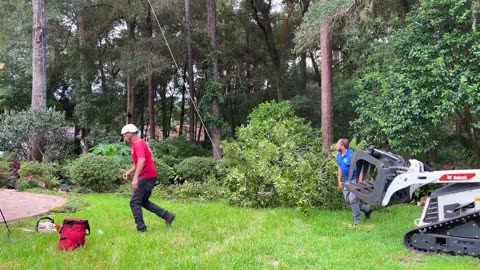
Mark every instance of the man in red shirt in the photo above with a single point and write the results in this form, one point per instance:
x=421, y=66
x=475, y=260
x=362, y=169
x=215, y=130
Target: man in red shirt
x=144, y=179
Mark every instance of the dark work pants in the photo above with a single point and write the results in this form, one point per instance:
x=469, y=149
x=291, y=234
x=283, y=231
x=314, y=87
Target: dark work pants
x=140, y=198
x=352, y=200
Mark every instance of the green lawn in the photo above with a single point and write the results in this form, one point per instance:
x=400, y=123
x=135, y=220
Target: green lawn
x=218, y=236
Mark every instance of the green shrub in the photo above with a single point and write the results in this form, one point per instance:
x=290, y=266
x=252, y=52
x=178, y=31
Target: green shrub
x=209, y=190
x=173, y=151
x=40, y=172
x=11, y=182
x=26, y=184
x=5, y=172
x=196, y=169
x=47, y=125
x=278, y=160
x=36, y=169
x=9, y=165
x=164, y=172
x=99, y=173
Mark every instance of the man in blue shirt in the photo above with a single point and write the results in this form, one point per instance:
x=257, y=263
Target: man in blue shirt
x=344, y=158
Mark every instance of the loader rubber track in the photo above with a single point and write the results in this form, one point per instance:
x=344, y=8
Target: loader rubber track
x=456, y=236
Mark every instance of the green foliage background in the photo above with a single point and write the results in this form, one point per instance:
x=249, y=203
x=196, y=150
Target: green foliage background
x=48, y=125
x=428, y=75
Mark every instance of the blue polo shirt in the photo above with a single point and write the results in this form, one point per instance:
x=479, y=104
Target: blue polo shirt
x=344, y=164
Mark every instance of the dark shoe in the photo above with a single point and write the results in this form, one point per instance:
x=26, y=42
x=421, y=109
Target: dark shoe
x=169, y=218
x=368, y=214
x=142, y=230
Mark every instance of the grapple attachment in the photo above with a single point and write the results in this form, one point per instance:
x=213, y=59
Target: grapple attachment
x=378, y=169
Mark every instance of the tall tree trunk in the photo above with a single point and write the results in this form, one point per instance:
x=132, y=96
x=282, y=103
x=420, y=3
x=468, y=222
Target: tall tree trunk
x=458, y=128
x=262, y=16
x=141, y=112
x=163, y=103
x=327, y=84
x=39, y=65
x=151, y=90
x=199, y=134
x=191, y=84
x=131, y=78
x=76, y=140
x=303, y=56
x=475, y=11
x=212, y=32
x=406, y=7
x=182, y=106
x=39, y=70
x=247, y=65
x=170, y=113
x=472, y=134
x=101, y=66
x=84, y=88
x=315, y=69
x=230, y=112
x=303, y=72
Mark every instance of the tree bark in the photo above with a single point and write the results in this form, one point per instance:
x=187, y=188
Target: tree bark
x=131, y=78
x=163, y=103
x=151, y=90
x=141, y=112
x=188, y=17
x=303, y=72
x=39, y=71
x=39, y=66
x=101, y=66
x=261, y=14
x=84, y=85
x=315, y=69
x=212, y=33
x=199, y=134
x=475, y=11
x=230, y=112
x=458, y=128
x=472, y=134
x=327, y=84
x=182, y=106
x=170, y=113
x=303, y=56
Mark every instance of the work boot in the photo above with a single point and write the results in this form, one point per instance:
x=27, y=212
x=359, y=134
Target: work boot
x=169, y=218
x=368, y=214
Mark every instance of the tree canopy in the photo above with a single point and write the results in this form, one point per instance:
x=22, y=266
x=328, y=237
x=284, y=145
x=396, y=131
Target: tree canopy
x=404, y=72
x=428, y=77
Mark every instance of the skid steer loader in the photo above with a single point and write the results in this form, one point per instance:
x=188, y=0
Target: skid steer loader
x=450, y=222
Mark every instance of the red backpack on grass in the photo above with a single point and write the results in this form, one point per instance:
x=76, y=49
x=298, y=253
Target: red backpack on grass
x=72, y=234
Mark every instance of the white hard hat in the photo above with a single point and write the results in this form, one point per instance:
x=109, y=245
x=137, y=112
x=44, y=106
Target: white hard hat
x=129, y=128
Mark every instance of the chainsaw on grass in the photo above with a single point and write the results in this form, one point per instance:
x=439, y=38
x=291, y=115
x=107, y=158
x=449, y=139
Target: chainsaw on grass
x=47, y=227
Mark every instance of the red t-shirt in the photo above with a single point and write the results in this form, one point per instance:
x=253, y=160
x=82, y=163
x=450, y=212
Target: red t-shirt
x=140, y=149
